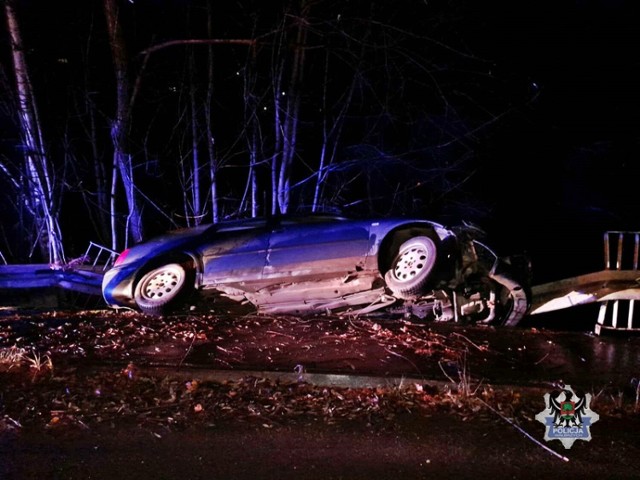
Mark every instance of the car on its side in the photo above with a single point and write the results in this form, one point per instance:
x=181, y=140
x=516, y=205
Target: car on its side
x=323, y=263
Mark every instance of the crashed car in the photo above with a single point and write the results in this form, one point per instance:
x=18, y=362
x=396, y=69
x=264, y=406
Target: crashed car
x=322, y=263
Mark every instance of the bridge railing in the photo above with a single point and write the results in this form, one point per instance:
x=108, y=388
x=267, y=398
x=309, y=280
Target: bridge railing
x=621, y=252
x=101, y=257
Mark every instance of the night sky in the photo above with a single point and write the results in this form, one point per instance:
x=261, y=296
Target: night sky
x=546, y=91
x=573, y=159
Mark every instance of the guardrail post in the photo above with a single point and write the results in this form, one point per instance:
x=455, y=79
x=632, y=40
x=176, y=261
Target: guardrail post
x=610, y=310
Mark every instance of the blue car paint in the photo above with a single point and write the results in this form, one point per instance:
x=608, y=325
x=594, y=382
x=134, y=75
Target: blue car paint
x=290, y=264
x=297, y=249
x=251, y=250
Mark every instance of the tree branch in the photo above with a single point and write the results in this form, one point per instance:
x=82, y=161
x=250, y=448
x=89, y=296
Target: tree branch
x=195, y=41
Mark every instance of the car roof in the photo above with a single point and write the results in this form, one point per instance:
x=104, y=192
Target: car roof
x=247, y=223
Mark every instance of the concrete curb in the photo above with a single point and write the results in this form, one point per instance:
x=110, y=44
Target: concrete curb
x=320, y=379
x=336, y=380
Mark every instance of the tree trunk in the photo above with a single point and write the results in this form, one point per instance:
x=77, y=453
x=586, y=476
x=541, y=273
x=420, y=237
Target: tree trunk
x=39, y=185
x=120, y=124
x=252, y=125
x=213, y=161
x=290, y=119
x=195, y=153
x=330, y=136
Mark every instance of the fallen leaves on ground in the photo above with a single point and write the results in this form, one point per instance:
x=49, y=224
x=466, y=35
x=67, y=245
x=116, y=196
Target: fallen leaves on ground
x=114, y=335
x=48, y=381
x=84, y=398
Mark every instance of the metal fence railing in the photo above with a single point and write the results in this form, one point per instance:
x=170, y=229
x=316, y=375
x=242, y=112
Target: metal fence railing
x=100, y=256
x=621, y=252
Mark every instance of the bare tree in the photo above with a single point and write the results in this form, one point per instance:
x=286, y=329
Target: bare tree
x=96, y=170
x=39, y=185
x=253, y=134
x=287, y=121
x=341, y=106
x=192, y=173
x=190, y=160
x=331, y=134
x=122, y=158
x=208, y=113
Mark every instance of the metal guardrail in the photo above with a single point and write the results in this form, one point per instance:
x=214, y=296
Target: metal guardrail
x=621, y=252
x=100, y=255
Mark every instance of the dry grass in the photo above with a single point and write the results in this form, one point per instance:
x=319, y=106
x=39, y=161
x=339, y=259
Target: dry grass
x=38, y=362
x=12, y=356
x=15, y=357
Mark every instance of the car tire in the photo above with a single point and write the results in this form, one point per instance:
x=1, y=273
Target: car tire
x=161, y=289
x=411, y=267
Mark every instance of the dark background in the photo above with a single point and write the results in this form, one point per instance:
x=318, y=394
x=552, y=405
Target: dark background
x=535, y=103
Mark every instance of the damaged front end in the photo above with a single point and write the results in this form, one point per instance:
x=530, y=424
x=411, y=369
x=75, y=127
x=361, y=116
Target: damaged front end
x=491, y=289
x=484, y=289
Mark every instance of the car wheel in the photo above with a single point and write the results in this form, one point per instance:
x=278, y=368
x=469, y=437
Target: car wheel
x=411, y=267
x=161, y=288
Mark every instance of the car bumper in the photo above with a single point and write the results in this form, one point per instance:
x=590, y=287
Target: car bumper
x=117, y=287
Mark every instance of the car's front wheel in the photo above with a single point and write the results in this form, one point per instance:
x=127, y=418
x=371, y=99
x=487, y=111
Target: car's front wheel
x=162, y=288
x=411, y=267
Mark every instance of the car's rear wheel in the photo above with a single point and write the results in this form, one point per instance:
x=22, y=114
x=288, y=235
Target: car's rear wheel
x=161, y=289
x=411, y=267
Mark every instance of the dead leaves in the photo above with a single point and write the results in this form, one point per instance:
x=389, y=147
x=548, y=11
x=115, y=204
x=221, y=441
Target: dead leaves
x=81, y=397
x=232, y=342
x=100, y=334
x=89, y=398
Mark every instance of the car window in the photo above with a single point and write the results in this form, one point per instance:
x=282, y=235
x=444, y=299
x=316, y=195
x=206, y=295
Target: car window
x=311, y=219
x=240, y=225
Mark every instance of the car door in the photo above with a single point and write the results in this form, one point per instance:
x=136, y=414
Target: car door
x=235, y=253
x=300, y=248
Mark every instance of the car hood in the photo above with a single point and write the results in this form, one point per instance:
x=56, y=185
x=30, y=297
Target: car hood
x=163, y=243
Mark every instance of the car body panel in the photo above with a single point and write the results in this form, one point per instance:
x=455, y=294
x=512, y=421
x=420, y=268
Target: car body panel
x=322, y=263
x=118, y=281
x=234, y=256
x=316, y=249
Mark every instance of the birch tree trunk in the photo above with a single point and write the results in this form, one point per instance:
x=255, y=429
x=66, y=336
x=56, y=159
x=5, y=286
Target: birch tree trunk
x=190, y=163
x=278, y=138
x=331, y=133
x=122, y=160
x=208, y=112
x=39, y=187
x=252, y=125
x=291, y=120
x=195, y=153
x=287, y=122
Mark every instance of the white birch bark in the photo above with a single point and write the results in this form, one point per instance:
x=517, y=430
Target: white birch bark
x=120, y=125
x=37, y=167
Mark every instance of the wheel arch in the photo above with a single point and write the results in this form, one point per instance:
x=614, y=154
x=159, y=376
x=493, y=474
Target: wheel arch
x=186, y=259
x=396, y=237
x=447, y=256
